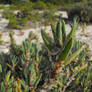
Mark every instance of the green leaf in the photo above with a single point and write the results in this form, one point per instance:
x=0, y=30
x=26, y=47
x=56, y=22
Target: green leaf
x=2, y=88
x=7, y=76
x=59, y=33
x=47, y=40
x=38, y=80
x=73, y=56
x=0, y=68
x=74, y=28
x=63, y=31
x=66, y=50
x=24, y=85
x=54, y=31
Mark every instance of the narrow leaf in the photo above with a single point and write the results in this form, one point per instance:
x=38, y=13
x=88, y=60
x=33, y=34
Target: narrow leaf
x=53, y=31
x=0, y=68
x=59, y=33
x=73, y=56
x=38, y=80
x=74, y=28
x=81, y=68
x=63, y=31
x=47, y=39
x=65, y=52
x=7, y=77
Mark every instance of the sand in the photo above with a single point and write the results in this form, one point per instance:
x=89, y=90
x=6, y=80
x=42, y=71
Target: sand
x=21, y=35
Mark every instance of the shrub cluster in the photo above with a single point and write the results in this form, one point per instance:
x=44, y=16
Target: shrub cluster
x=20, y=15
x=56, y=66
x=82, y=11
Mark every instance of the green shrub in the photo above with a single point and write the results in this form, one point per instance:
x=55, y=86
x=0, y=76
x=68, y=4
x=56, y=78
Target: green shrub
x=19, y=69
x=54, y=1
x=51, y=6
x=39, y=5
x=17, y=22
x=49, y=15
x=13, y=7
x=25, y=10
x=83, y=11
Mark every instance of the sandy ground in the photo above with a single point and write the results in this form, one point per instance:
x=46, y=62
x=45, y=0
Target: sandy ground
x=84, y=36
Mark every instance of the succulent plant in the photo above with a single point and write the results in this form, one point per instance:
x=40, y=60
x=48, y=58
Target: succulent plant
x=64, y=53
x=19, y=70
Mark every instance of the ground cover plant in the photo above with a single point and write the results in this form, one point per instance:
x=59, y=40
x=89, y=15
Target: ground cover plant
x=20, y=16
x=19, y=69
x=26, y=68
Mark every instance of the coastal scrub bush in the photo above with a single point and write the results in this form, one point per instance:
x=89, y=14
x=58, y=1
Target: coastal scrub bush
x=17, y=22
x=82, y=11
x=39, y=5
x=25, y=10
x=49, y=15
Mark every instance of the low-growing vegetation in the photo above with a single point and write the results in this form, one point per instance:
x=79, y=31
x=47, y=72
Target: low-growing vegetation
x=26, y=11
x=61, y=63
x=21, y=17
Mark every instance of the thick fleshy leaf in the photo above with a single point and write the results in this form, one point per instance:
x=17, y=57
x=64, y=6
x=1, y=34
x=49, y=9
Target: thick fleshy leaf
x=66, y=50
x=59, y=33
x=47, y=39
x=73, y=30
x=63, y=31
x=72, y=57
x=0, y=68
x=53, y=27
